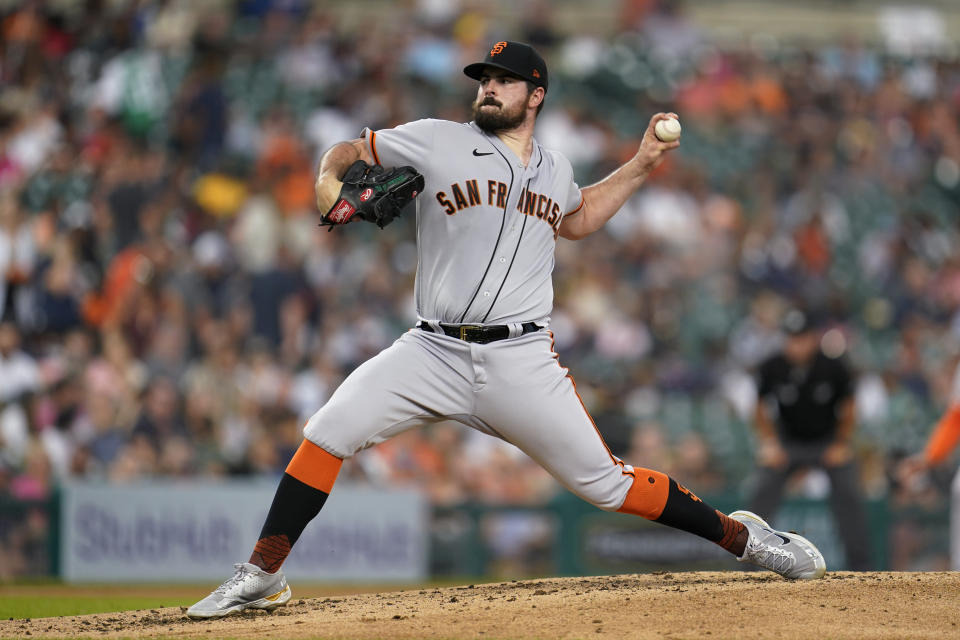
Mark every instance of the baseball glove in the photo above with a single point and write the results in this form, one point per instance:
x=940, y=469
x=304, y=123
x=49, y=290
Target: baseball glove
x=374, y=194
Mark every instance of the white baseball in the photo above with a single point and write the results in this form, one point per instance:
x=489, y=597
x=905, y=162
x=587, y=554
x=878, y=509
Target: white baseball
x=667, y=130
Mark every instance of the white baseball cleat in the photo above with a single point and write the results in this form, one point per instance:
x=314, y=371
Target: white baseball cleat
x=250, y=588
x=789, y=554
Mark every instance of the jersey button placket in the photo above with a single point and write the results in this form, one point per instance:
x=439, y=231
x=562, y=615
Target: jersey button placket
x=501, y=268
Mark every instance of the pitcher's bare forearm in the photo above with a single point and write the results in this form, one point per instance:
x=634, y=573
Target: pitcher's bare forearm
x=602, y=200
x=333, y=165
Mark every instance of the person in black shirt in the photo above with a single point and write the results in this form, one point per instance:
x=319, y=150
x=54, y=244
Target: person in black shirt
x=805, y=419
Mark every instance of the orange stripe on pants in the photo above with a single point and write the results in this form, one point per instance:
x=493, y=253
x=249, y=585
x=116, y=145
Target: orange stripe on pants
x=647, y=495
x=314, y=467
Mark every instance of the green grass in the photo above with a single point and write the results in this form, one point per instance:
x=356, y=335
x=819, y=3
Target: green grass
x=49, y=597
x=15, y=606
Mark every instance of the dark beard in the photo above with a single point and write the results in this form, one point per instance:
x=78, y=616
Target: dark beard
x=499, y=120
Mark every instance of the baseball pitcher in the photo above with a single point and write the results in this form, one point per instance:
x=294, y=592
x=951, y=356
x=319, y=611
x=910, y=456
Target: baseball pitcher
x=491, y=205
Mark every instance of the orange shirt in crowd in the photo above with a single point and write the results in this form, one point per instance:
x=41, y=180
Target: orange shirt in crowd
x=944, y=437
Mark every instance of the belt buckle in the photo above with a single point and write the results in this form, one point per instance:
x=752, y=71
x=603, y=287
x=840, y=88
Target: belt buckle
x=464, y=328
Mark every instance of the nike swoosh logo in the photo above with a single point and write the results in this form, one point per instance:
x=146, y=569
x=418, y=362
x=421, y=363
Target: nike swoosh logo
x=477, y=153
x=785, y=539
x=224, y=604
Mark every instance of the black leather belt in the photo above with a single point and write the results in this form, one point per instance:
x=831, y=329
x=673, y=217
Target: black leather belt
x=479, y=333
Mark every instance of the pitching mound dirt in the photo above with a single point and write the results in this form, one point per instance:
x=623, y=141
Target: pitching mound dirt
x=661, y=605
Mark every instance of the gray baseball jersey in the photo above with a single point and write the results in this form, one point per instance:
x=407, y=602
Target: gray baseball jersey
x=486, y=225
x=487, y=228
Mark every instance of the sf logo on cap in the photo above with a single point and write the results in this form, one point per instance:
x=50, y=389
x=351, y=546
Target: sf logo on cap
x=498, y=48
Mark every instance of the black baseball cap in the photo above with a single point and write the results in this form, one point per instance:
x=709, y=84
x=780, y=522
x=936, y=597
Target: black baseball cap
x=518, y=58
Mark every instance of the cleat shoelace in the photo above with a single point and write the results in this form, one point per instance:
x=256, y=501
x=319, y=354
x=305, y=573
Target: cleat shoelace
x=236, y=578
x=772, y=557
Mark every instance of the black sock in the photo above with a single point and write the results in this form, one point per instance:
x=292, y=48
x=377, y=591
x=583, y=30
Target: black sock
x=294, y=505
x=684, y=510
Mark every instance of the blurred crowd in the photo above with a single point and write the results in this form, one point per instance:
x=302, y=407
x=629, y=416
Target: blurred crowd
x=169, y=307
